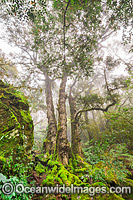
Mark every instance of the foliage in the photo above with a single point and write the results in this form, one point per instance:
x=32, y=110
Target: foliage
x=39, y=168
x=16, y=173
x=120, y=126
x=107, y=158
x=87, y=15
x=79, y=173
x=14, y=180
x=92, y=100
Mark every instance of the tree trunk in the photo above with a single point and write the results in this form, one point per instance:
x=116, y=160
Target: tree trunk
x=75, y=138
x=62, y=142
x=50, y=141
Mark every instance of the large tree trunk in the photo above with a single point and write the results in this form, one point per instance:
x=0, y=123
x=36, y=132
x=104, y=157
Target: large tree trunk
x=75, y=138
x=50, y=141
x=62, y=142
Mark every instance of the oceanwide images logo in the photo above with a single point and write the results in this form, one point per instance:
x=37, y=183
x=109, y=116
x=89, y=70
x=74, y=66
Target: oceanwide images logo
x=9, y=188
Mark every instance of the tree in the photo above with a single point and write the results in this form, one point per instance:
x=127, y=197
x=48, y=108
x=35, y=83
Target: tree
x=74, y=52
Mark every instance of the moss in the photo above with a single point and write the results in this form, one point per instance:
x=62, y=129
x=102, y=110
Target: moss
x=59, y=174
x=74, y=196
x=108, y=197
x=48, y=181
x=46, y=140
x=43, y=157
x=10, y=129
x=97, y=184
x=26, y=116
x=15, y=120
x=50, y=197
x=81, y=170
x=2, y=159
x=128, y=182
x=40, y=168
x=85, y=197
x=58, y=128
x=20, y=95
x=53, y=162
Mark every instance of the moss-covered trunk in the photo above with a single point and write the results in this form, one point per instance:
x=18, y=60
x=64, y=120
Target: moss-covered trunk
x=62, y=142
x=75, y=137
x=50, y=141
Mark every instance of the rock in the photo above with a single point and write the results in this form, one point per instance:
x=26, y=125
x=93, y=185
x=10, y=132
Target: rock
x=16, y=125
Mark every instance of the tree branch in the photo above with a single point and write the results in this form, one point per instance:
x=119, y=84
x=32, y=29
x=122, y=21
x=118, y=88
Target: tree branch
x=96, y=108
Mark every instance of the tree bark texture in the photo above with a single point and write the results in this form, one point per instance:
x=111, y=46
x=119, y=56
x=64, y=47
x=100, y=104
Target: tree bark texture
x=50, y=141
x=75, y=137
x=62, y=142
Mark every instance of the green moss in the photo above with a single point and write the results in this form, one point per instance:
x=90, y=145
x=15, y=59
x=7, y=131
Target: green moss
x=108, y=197
x=74, y=197
x=26, y=116
x=40, y=168
x=15, y=120
x=46, y=140
x=54, y=169
x=85, y=197
x=53, y=162
x=49, y=181
x=97, y=184
x=128, y=182
x=57, y=173
x=81, y=170
x=2, y=159
x=50, y=197
x=43, y=157
x=60, y=174
x=20, y=95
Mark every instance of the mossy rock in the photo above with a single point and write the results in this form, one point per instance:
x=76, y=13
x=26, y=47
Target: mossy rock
x=16, y=125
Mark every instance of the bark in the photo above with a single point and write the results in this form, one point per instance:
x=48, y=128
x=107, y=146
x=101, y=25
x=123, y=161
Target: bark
x=50, y=141
x=62, y=142
x=75, y=137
